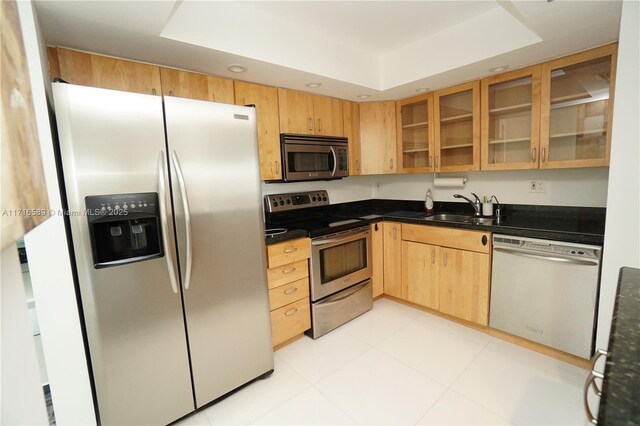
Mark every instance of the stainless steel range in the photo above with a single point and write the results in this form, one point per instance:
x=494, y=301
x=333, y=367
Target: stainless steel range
x=340, y=265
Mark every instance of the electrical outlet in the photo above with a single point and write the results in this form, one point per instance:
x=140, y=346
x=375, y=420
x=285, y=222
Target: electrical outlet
x=538, y=186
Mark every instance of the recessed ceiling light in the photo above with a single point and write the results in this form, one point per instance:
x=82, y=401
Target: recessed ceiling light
x=314, y=85
x=237, y=68
x=363, y=96
x=499, y=68
x=422, y=89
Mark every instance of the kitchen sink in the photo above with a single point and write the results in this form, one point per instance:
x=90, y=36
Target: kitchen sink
x=480, y=220
x=448, y=217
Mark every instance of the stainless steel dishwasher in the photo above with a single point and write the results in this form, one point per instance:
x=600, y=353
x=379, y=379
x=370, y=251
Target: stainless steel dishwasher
x=546, y=291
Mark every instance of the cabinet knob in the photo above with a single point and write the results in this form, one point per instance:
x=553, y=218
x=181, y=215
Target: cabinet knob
x=436, y=161
x=444, y=260
x=277, y=167
x=533, y=155
x=485, y=240
x=319, y=124
x=310, y=123
x=543, y=156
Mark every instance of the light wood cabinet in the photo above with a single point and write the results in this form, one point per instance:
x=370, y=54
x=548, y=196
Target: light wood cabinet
x=420, y=273
x=577, y=109
x=265, y=99
x=351, y=122
x=288, y=281
x=307, y=114
x=378, y=138
x=464, y=284
x=415, y=134
x=510, y=117
x=457, y=128
x=185, y=84
x=447, y=270
x=377, y=258
x=392, y=259
x=105, y=72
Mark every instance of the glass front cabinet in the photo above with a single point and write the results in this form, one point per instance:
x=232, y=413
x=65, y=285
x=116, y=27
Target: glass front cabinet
x=576, y=109
x=510, y=117
x=457, y=128
x=414, y=121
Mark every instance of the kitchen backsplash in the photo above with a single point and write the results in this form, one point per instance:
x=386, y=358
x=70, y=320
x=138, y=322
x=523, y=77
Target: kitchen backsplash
x=567, y=187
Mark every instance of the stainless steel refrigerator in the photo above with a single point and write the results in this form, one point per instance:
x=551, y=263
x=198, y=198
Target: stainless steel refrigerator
x=166, y=221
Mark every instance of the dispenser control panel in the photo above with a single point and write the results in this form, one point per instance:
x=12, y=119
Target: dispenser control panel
x=100, y=206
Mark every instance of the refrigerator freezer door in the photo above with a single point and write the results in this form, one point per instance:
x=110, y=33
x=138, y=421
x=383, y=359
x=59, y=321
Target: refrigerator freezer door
x=111, y=143
x=220, y=236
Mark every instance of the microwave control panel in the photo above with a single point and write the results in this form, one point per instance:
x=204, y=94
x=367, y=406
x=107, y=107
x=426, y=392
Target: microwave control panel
x=295, y=201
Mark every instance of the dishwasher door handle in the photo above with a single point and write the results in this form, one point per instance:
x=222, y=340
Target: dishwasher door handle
x=552, y=258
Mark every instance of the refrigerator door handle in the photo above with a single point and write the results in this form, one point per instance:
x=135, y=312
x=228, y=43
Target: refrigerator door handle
x=187, y=215
x=162, y=201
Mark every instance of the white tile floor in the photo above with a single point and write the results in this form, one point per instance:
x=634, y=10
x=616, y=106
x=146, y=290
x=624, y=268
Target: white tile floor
x=399, y=365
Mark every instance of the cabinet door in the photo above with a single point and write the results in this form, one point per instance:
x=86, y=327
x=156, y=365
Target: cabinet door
x=393, y=260
x=414, y=122
x=328, y=116
x=184, y=84
x=510, y=117
x=457, y=128
x=577, y=108
x=377, y=258
x=464, y=284
x=108, y=73
x=378, y=138
x=351, y=122
x=296, y=112
x=265, y=99
x=420, y=273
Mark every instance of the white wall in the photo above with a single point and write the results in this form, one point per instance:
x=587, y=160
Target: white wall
x=353, y=188
x=622, y=232
x=49, y=263
x=22, y=398
x=574, y=187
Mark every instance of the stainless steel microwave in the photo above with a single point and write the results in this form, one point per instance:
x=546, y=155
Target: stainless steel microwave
x=307, y=157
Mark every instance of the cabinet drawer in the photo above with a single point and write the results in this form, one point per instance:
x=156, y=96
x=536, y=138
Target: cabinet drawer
x=290, y=320
x=448, y=237
x=288, y=293
x=288, y=252
x=287, y=273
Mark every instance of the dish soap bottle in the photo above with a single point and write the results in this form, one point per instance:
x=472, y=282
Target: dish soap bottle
x=428, y=202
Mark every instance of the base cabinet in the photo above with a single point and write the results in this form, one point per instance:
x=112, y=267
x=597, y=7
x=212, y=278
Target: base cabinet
x=288, y=280
x=447, y=274
x=392, y=259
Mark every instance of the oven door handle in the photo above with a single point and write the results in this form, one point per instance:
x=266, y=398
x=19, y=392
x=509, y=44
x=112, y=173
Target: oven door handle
x=335, y=161
x=343, y=239
x=345, y=293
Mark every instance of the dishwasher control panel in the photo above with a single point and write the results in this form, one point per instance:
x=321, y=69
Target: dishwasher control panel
x=548, y=247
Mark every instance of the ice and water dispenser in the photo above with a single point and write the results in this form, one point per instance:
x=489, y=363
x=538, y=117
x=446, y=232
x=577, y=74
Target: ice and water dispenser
x=124, y=228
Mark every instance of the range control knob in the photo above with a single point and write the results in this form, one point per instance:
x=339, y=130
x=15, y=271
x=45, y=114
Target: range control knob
x=288, y=201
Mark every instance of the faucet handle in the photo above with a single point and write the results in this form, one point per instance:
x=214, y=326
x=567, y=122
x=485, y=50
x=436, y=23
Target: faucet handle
x=476, y=197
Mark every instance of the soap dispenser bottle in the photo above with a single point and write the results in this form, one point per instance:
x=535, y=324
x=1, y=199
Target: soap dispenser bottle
x=428, y=202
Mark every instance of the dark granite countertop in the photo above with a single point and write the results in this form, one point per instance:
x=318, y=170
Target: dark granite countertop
x=620, y=401
x=583, y=225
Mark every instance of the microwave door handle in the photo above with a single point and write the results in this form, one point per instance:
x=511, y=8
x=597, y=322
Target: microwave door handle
x=335, y=161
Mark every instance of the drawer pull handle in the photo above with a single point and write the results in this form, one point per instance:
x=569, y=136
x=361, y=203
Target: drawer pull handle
x=433, y=257
x=444, y=260
x=291, y=312
x=291, y=290
x=288, y=271
x=290, y=250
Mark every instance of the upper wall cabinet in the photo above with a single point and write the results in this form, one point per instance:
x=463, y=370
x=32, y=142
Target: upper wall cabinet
x=457, y=128
x=577, y=108
x=510, y=117
x=351, y=120
x=306, y=114
x=266, y=101
x=378, y=138
x=108, y=73
x=415, y=134
x=184, y=84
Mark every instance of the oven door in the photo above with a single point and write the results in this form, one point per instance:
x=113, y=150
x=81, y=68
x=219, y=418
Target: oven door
x=309, y=161
x=339, y=261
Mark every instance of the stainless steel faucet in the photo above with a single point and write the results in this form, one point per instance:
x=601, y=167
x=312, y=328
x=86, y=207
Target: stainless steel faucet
x=477, y=204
